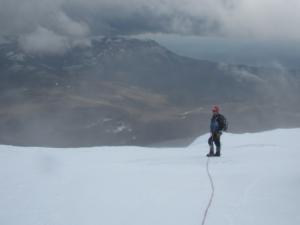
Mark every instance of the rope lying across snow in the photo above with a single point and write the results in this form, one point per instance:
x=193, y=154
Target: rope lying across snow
x=212, y=192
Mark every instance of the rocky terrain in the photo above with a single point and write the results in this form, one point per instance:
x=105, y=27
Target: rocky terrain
x=121, y=91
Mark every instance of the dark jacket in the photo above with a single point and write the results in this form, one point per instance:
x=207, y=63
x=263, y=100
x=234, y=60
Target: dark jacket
x=216, y=125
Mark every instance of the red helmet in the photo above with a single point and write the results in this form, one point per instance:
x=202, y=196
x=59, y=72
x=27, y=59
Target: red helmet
x=215, y=108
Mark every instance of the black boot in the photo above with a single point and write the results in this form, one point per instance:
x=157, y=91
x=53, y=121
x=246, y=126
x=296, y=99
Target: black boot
x=211, y=152
x=218, y=152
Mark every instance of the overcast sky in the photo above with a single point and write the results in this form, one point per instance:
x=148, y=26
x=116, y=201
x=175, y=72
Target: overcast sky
x=57, y=24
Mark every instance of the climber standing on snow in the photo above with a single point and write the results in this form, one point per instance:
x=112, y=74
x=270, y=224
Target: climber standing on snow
x=218, y=124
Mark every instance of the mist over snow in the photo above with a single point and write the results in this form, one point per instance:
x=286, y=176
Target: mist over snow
x=256, y=182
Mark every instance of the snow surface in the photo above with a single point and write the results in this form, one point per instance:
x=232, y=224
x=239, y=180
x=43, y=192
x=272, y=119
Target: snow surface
x=257, y=181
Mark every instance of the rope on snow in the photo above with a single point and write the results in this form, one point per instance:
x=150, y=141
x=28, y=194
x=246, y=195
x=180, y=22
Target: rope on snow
x=212, y=192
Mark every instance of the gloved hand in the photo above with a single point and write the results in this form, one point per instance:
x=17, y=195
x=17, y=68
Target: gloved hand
x=218, y=134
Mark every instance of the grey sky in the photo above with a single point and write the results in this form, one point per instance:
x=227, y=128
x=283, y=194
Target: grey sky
x=267, y=19
x=61, y=22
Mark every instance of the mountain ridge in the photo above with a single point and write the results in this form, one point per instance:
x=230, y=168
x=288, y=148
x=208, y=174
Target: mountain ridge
x=52, y=100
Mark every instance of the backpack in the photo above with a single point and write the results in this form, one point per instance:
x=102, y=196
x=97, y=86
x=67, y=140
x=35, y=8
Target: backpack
x=223, y=123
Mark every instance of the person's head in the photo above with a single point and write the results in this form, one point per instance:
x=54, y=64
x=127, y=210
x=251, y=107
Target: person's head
x=215, y=109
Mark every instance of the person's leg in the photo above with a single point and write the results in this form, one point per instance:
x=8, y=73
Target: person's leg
x=217, y=140
x=211, y=146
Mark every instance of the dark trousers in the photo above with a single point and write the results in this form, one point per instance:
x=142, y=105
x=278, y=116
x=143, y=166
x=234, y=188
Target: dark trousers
x=215, y=139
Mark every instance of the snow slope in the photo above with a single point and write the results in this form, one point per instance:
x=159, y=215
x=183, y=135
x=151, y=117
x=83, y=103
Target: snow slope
x=257, y=182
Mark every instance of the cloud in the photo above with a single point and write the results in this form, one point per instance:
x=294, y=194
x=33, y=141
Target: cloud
x=262, y=19
x=43, y=41
x=257, y=19
x=241, y=74
x=275, y=82
x=65, y=25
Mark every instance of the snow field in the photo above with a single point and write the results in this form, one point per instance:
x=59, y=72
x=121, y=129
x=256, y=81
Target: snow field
x=257, y=181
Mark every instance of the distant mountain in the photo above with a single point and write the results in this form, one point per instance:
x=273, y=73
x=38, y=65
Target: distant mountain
x=122, y=91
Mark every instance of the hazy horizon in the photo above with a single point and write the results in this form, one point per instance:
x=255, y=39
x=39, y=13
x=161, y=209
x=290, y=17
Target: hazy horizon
x=254, y=32
x=234, y=51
